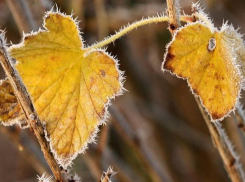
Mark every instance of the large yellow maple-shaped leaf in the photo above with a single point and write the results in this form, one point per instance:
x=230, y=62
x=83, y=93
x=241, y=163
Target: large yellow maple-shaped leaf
x=206, y=59
x=70, y=87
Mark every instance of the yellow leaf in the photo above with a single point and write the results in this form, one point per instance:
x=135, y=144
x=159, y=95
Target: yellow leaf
x=10, y=111
x=70, y=87
x=206, y=60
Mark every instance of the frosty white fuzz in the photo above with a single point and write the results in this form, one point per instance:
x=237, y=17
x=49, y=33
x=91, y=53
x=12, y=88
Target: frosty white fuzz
x=202, y=16
x=44, y=178
x=106, y=176
x=236, y=42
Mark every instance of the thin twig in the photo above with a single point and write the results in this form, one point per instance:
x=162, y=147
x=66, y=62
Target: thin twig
x=28, y=108
x=127, y=29
x=22, y=143
x=173, y=13
x=224, y=146
x=125, y=169
x=130, y=137
x=146, y=140
x=24, y=15
x=101, y=17
x=92, y=163
x=123, y=31
x=240, y=117
x=78, y=6
x=103, y=140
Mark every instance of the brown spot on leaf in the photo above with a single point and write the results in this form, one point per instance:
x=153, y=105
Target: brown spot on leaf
x=210, y=99
x=168, y=58
x=52, y=58
x=92, y=80
x=103, y=74
x=47, y=17
x=27, y=38
x=217, y=115
x=102, y=113
x=195, y=91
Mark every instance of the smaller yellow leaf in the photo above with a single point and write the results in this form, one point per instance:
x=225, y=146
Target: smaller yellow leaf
x=10, y=111
x=206, y=58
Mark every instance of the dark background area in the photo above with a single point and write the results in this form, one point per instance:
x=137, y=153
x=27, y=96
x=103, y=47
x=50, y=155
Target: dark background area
x=156, y=131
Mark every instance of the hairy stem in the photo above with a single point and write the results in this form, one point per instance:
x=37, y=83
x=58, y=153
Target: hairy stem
x=127, y=29
x=123, y=31
x=28, y=109
x=224, y=146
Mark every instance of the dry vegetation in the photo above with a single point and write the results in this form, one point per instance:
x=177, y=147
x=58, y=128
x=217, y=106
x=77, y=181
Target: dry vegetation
x=156, y=131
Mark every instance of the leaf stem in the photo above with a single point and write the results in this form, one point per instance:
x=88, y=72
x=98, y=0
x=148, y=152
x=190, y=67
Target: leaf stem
x=28, y=108
x=127, y=29
x=123, y=31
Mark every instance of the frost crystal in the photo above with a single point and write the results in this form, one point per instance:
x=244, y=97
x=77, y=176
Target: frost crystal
x=211, y=44
x=44, y=178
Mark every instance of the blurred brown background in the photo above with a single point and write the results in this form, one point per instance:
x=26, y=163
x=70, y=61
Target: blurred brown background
x=155, y=132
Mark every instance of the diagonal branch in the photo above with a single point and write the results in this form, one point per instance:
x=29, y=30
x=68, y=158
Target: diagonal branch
x=240, y=118
x=28, y=108
x=225, y=148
